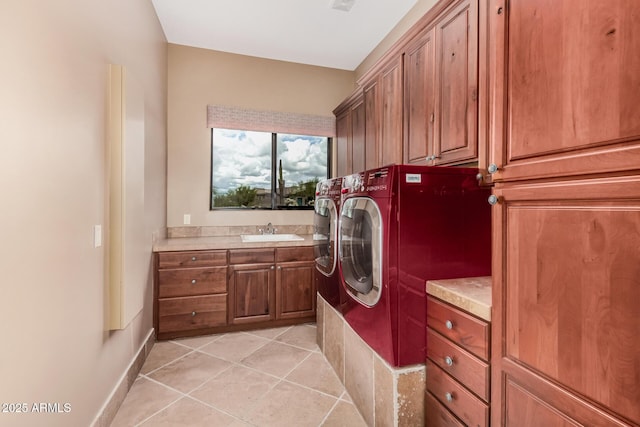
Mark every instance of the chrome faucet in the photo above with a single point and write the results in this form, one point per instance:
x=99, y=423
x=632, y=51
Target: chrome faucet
x=270, y=229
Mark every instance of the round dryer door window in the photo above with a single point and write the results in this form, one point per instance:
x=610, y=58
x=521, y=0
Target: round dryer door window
x=324, y=235
x=360, y=238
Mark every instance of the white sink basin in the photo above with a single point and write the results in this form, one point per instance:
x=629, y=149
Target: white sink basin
x=269, y=237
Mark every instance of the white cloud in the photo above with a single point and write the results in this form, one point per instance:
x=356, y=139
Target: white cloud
x=244, y=158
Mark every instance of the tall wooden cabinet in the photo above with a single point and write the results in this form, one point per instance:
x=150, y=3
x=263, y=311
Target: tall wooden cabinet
x=565, y=131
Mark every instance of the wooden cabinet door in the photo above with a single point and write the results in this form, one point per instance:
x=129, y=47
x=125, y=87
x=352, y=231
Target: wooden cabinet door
x=343, y=144
x=371, y=121
x=391, y=116
x=566, y=87
x=358, y=147
x=456, y=128
x=567, y=288
x=295, y=290
x=251, y=293
x=419, y=99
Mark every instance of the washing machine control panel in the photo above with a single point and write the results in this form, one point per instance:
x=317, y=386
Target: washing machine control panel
x=353, y=183
x=377, y=181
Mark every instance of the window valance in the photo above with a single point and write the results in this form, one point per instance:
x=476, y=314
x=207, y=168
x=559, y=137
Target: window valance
x=222, y=116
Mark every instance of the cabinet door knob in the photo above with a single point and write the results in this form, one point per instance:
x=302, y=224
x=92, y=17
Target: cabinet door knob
x=493, y=200
x=448, y=324
x=279, y=267
x=273, y=266
x=449, y=397
x=193, y=313
x=448, y=360
x=479, y=177
x=493, y=168
x=193, y=258
x=193, y=282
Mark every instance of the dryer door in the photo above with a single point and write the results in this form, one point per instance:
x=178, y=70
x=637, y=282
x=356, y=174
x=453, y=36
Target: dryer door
x=360, y=243
x=324, y=235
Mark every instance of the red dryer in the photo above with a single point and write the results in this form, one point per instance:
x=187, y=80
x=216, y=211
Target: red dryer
x=400, y=226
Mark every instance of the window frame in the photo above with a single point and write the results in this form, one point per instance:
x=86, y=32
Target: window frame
x=274, y=172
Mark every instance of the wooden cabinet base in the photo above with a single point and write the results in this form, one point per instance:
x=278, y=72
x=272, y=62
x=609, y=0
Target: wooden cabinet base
x=233, y=328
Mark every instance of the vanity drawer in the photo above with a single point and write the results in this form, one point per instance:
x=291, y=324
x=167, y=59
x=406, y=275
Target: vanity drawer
x=251, y=256
x=192, y=281
x=192, y=259
x=300, y=253
x=465, y=330
x=185, y=313
x=436, y=415
x=460, y=401
x=460, y=364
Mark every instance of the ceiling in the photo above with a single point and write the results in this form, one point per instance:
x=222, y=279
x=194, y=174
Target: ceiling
x=302, y=31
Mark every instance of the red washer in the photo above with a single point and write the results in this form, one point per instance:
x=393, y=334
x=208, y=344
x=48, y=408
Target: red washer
x=325, y=236
x=400, y=226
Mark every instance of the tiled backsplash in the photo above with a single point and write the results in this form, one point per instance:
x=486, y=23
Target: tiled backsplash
x=235, y=230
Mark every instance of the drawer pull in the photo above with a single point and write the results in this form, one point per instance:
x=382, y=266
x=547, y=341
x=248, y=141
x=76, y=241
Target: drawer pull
x=193, y=282
x=193, y=258
x=448, y=324
x=449, y=397
x=193, y=313
x=448, y=360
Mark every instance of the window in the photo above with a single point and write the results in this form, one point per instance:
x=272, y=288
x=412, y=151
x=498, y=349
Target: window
x=263, y=170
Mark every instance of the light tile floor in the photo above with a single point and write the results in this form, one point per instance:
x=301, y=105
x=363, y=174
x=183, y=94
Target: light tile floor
x=270, y=377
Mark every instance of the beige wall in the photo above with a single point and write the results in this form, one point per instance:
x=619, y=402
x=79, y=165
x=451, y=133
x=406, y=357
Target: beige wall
x=198, y=77
x=417, y=11
x=54, y=58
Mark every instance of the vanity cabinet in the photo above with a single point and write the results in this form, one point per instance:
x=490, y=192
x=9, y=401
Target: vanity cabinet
x=191, y=290
x=458, y=373
x=212, y=291
x=251, y=285
x=295, y=287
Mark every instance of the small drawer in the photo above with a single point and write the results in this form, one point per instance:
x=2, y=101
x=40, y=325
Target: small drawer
x=192, y=281
x=465, y=330
x=436, y=415
x=464, y=405
x=186, y=313
x=251, y=256
x=191, y=259
x=300, y=253
x=460, y=364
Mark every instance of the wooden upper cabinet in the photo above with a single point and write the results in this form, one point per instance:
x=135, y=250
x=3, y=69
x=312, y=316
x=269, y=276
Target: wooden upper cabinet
x=456, y=125
x=358, y=148
x=566, y=87
x=391, y=124
x=343, y=144
x=371, y=111
x=419, y=98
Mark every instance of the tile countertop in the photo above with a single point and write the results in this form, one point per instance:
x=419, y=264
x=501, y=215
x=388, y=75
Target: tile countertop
x=471, y=294
x=222, y=242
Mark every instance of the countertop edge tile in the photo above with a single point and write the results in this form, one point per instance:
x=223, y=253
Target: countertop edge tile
x=471, y=294
x=222, y=242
